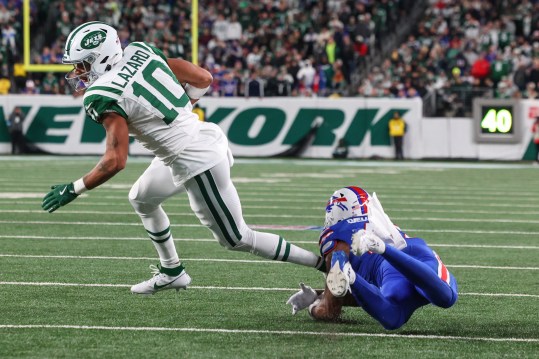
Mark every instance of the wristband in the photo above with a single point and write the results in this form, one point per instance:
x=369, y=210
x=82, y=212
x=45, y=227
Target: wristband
x=79, y=186
x=195, y=93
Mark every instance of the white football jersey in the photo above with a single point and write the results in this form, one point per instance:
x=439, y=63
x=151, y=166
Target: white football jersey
x=143, y=90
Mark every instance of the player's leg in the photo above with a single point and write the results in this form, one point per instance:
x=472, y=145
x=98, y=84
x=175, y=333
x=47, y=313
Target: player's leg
x=391, y=303
x=398, y=144
x=216, y=203
x=153, y=187
x=422, y=267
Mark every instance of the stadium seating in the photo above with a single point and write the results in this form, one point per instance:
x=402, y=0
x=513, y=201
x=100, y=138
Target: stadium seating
x=455, y=51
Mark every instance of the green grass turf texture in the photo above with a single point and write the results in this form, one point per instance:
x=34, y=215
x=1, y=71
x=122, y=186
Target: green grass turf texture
x=236, y=307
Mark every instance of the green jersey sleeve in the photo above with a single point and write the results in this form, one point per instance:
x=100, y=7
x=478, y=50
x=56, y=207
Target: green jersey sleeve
x=158, y=52
x=150, y=48
x=98, y=104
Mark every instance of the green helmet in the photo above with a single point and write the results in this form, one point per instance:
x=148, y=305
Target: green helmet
x=93, y=48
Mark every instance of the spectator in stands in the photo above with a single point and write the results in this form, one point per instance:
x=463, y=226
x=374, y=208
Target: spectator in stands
x=5, y=14
x=49, y=85
x=306, y=76
x=8, y=37
x=285, y=81
x=30, y=88
x=254, y=87
x=452, y=34
x=5, y=85
x=228, y=85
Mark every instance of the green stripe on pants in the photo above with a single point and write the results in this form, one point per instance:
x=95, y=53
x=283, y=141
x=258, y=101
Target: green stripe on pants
x=223, y=206
x=213, y=211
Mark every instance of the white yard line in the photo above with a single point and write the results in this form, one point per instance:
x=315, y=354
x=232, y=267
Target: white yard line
x=271, y=332
x=257, y=261
x=456, y=245
x=261, y=289
x=266, y=226
x=182, y=202
x=315, y=216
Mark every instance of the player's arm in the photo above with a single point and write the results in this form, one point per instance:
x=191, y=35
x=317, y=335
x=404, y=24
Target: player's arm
x=196, y=79
x=112, y=162
x=115, y=156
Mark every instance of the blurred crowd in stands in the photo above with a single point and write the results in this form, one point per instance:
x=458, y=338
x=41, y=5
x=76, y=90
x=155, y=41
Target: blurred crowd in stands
x=455, y=50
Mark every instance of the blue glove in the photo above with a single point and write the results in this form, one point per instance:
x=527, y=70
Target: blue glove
x=60, y=195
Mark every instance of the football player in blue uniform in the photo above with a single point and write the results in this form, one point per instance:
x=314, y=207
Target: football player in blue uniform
x=372, y=264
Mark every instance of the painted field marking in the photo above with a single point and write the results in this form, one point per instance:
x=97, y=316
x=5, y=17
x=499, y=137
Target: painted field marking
x=257, y=261
x=456, y=245
x=271, y=332
x=262, y=289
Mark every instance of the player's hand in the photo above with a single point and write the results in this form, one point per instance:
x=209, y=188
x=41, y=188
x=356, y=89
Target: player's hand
x=60, y=195
x=302, y=299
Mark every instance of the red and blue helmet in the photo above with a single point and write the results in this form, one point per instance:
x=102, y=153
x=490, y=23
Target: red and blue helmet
x=345, y=203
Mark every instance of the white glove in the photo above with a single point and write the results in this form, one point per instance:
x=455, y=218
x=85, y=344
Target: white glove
x=302, y=299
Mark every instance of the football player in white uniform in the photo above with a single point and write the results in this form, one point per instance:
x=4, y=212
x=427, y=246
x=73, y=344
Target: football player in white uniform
x=138, y=91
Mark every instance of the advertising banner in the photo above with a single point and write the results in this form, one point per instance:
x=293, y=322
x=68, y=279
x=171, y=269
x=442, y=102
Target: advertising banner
x=306, y=127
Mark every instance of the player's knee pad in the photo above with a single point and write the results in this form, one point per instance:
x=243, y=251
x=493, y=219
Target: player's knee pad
x=392, y=323
x=241, y=241
x=448, y=298
x=139, y=203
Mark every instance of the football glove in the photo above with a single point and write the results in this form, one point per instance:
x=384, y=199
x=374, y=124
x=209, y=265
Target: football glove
x=302, y=299
x=60, y=195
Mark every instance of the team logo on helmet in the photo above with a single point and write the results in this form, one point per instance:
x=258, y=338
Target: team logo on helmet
x=346, y=203
x=93, y=39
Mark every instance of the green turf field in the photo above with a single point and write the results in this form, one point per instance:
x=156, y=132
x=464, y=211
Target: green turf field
x=65, y=277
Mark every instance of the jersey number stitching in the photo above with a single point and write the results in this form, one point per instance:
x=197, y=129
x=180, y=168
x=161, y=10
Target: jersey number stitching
x=169, y=114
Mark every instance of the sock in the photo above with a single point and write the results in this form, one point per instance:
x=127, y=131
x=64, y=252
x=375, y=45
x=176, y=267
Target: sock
x=172, y=271
x=274, y=247
x=157, y=225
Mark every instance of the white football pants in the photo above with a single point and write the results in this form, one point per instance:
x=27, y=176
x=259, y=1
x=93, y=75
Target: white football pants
x=215, y=201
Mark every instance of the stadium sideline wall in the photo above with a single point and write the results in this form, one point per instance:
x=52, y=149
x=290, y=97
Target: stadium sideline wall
x=270, y=126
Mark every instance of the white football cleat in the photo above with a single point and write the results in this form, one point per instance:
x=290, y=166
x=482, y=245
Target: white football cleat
x=162, y=281
x=368, y=242
x=340, y=275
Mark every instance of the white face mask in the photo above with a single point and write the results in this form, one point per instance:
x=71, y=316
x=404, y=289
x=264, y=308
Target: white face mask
x=82, y=76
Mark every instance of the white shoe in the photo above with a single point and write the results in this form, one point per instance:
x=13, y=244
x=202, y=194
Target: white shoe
x=368, y=242
x=161, y=281
x=340, y=275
